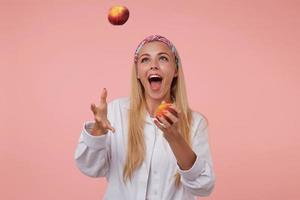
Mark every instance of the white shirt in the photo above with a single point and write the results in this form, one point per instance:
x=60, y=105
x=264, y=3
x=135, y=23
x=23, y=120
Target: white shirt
x=105, y=156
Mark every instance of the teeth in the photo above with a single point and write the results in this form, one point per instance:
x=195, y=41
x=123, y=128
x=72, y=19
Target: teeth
x=154, y=75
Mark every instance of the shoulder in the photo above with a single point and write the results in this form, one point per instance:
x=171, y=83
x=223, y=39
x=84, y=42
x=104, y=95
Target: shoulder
x=199, y=120
x=121, y=103
x=117, y=108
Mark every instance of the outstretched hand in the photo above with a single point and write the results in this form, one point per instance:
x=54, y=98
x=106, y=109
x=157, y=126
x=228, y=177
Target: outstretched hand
x=102, y=124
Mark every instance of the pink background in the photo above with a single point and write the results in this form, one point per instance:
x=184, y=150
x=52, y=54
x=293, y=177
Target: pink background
x=241, y=62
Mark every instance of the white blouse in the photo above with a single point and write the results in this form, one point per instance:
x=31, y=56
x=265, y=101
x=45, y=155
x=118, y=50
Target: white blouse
x=99, y=156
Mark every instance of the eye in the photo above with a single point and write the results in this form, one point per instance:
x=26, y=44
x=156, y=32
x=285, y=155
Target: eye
x=164, y=58
x=144, y=60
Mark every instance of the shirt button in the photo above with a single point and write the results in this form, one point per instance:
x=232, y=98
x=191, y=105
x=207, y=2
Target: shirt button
x=155, y=192
x=155, y=172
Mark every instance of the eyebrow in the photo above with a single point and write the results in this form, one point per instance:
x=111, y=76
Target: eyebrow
x=146, y=54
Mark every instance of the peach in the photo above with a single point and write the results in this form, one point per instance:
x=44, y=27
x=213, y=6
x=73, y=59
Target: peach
x=118, y=15
x=161, y=108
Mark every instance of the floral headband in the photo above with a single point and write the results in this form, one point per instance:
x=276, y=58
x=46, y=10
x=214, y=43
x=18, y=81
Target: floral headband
x=157, y=38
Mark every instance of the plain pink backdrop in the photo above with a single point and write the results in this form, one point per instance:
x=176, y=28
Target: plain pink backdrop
x=241, y=64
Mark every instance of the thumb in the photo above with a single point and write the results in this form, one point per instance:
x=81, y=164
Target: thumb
x=93, y=108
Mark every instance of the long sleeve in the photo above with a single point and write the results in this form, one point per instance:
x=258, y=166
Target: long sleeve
x=200, y=178
x=92, y=154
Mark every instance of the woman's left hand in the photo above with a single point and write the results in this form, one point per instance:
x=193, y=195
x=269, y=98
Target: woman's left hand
x=168, y=123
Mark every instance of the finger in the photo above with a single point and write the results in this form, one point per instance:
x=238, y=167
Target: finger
x=164, y=121
x=158, y=118
x=93, y=108
x=159, y=125
x=168, y=119
x=110, y=127
x=175, y=108
x=103, y=96
x=173, y=118
x=173, y=111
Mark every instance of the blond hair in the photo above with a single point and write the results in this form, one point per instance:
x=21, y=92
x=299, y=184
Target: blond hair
x=136, y=145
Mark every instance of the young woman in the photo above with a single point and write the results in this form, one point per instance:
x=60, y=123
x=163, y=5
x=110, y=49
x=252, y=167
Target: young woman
x=144, y=156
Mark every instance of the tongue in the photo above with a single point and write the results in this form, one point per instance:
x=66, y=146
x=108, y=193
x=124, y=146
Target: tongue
x=155, y=85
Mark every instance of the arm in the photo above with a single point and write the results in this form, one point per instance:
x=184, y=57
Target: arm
x=92, y=153
x=200, y=178
x=184, y=154
x=194, y=164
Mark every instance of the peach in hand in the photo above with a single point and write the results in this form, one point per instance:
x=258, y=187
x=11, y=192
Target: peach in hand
x=161, y=108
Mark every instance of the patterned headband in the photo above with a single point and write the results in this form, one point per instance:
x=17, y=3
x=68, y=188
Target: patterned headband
x=157, y=38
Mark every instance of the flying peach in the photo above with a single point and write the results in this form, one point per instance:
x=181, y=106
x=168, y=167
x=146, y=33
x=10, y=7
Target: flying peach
x=118, y=15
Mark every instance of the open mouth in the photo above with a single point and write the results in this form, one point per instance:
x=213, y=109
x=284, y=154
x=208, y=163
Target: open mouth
x=155, y=81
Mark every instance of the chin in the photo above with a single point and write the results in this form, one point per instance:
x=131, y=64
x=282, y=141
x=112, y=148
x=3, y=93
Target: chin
x=157, y=96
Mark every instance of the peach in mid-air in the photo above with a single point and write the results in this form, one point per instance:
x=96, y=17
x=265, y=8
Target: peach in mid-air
x=118, y=15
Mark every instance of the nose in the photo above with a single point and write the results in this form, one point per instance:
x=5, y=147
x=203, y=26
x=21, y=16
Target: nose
x=154, y=65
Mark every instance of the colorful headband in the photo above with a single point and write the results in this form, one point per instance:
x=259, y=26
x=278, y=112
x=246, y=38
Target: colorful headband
x=157, y=38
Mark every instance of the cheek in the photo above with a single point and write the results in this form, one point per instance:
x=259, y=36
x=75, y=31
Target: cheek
x=141, y=76
x=170, y=72
x=138, y=72
x=168, y=67
x=141, y=72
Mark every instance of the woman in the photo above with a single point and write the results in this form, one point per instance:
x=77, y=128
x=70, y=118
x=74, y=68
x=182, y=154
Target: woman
x=141, y=155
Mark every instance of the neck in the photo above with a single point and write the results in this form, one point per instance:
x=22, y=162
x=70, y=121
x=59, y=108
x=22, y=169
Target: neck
x=152, y=104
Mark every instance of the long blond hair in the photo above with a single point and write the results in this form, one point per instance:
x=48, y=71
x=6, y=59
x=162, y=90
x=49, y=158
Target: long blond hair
x=137, y=113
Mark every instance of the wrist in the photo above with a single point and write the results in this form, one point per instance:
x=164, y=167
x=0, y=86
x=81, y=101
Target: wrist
x=174, y=138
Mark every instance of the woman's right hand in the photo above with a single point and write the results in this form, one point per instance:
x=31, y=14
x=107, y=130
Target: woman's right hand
x=102, y=125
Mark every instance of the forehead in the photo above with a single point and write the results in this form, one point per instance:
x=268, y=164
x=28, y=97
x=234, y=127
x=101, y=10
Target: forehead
x=155, y=47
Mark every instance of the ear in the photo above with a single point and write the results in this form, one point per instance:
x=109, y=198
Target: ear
x=176, y=73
